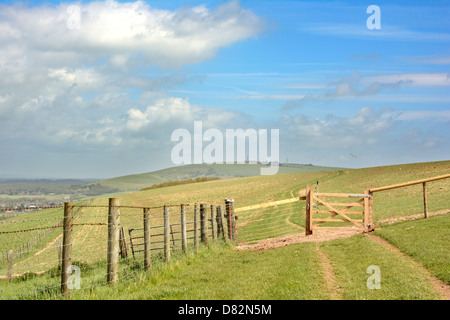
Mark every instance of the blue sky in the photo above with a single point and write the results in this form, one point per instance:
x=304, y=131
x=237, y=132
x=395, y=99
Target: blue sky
x=101, y=100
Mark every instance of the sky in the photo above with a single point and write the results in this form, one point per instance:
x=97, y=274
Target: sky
x=95, y=89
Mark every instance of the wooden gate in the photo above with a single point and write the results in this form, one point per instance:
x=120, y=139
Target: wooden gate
x=338, y=212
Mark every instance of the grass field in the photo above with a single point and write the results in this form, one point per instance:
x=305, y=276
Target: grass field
x=267, y=274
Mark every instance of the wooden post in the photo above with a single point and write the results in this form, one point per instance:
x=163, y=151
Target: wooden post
x=213, y=224
x=223, y=217
x=147, y=252
x=371, y=228
x=183, y=229
x=229, y=209
x=233, y=221
x=10, y=264
x=196, y=227
x=113, y=241
x=219, y=222
x=366, y=214
x=67, y=249
x=425, y=205
x=166, y=234
x=309, y=210
x=203, y=224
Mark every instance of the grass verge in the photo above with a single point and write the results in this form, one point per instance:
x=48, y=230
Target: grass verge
x=425, y=240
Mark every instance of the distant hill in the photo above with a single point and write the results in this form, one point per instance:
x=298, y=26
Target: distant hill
x=223, y=171
x=65, y=182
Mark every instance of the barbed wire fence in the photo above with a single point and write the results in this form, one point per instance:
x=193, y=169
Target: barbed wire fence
x=83, y=246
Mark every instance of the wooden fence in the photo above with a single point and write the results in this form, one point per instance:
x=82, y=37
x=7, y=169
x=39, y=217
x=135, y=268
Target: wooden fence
x=410, y=183
x=220, y=226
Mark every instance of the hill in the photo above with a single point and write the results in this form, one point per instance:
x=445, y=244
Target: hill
x=224, y=171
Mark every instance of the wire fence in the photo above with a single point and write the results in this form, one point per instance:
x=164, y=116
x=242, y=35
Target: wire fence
x=34, y=251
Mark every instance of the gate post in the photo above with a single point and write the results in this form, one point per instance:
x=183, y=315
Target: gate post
x=368, y=209
x=308, y=205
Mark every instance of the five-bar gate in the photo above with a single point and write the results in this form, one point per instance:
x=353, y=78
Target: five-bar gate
x=356, y=210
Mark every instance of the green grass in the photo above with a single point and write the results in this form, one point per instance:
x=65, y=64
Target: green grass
x=400, y=280
x=224, y=274
x=426, y=240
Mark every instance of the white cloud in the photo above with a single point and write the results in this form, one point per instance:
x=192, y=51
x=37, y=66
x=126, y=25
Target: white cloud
x=169, y=38
x=101, y=82
x=439, y=79
x=366, y=127
x=440, y=116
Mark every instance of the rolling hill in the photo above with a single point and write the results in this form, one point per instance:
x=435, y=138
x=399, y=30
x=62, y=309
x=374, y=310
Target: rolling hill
x=224, y=171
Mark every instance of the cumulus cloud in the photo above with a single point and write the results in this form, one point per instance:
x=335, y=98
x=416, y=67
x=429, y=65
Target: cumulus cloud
x=169, y=38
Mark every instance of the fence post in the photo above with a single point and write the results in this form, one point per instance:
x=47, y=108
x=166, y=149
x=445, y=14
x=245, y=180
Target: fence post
x=166, y=234
x=213, y=224
x=67, y=249
x=183, y=229
x=147, y=252
x=196, y=227
x=371, y=228
x=10, y=264
x=229, y=209
x=223, y=216
x=366, y=215
x=309, y=210
x=113, y=241
x=203, y=224
x=233, y=221
x=425, y=205
x=219, y=222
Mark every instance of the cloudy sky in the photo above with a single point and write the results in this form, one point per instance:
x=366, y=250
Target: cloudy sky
x=94, y=89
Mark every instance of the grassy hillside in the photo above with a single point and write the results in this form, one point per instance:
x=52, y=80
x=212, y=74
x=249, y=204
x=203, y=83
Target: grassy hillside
x=225, y=171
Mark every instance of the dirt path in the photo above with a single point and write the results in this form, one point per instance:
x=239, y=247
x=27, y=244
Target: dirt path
x=319, y=235
x=440, y=286
x=328, y=274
